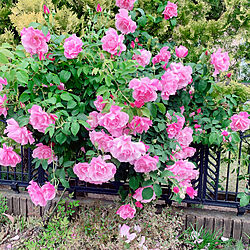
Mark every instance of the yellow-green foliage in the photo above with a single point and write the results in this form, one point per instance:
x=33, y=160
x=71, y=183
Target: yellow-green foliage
x=7, y=37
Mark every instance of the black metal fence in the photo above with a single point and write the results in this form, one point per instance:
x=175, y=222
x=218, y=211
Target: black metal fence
x=222, y=176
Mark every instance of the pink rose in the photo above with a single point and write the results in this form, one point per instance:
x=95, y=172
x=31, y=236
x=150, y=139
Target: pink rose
x=114, y=121
x=126, y=211
x=138, y=204
x=125, y=4
x=140, y=124
x=174, y=128
x=240, y=122
x=36, y=194
x=124, y=230
x=176, y=190
x=185, y=153
x=72, y=46
x=144, y=58
x=184, y=74
x=146, y=164
x=163, y=56
x=183, y=170
x=61, y=86
x=97, y=172
x=45, y=9
x=3, y=109
x=113, y=43
x=125, y=150
x=170, y=11
x=8, y=157
x=220, y=61
x=19, y=135
x=225, y=133
x=169, y=83
x=44, y=152
x=39, y=119
x=185, y=137
x=191, y=192
x=144, y=90
x=98, y=8
x=34, y=41
x=138, y=195
x=101, y=140
x=93, y=120
x=99, y=103
x=181, y=51
x=48, y=191
x=124, y=23
x=156, y=83
x=2, y=82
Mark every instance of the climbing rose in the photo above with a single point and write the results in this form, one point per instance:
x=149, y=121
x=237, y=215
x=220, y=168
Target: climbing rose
x=124, y=230
x=3, y=109
x=2, y=82
x=144, y=91
x=170, y=10
x=113, y=43
x=138, y=204
x=97, y=172
x=44, y=152
x=220, y=61
x=124, y=150
x=114, y=121
x=72, y=46
x=49, y=191
x=8, y=157
x=126, y=211
x=181, y=51
x=101, y=140
x=174, y=128
x=93, y=120
x=140, y=124
x=138, y=195
x=224, y=133
x=45, y=9
x=146, y=163
x=176, y=190
x=34, y=41
x=240, y=121
x=36, y=194
x=191, y=192
x=144, y=58
x=99, y=8
x=185, y=153
x=124, y=23
x=125, y=4
x=19, y=134
x=163, y=56
x=39, y=119
x=169, y=82
x=185, y=137
x=99, y=103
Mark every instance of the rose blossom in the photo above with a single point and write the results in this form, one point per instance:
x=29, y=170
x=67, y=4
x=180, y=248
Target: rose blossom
x=101, y=139
x=124, y=230
x=45, y=9
x=8, y=157
x=113, y=43
x=93, y=120
x=61, y=86
x=44, y=152
x=125, y=4
x=144, y=58
x=3, y=109
x=170, y=10
x=176, y=190
x=138, y=204
x=163, y=56
x=140, y=124
x=240, y=121
x=124, y=23
x=181, y=51
x=220, y=61
x=2, y=82
x=97, y=172
x=19, y=135
x=34, y=41
x=72, y=46
x=185, y=153
x=126, y=211
x=185, y=137
x=39, y=119
x=169, y=82
x=144, y=91
x=98, y=8
x=48, y=191
x=99, y=103
x=224, y=133
x=125, y=150
x=36, y=194
x=146, y=164
x=174, y=128
x=114, y=121
x=191, y=192
x=138, y=195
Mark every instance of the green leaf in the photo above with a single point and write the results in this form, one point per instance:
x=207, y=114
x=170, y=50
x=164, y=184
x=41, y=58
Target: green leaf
x=22, y=76
x=84, y=123
x=56, y=79
x=152, y=108
x=61, y=138
x=24, y=97
x=173, y=21
x=202, y=85
x=66, y=96
x=133, y=183
x=147, y=183
x=157, y=189
x=235, y=137
x=162, y=108
x=65, y=183
x=45, y=30
x=71, y=104
x=244, y=200
x=166, y=173
x=142, y=21
x=213, y=138
x=147, y=193
x=68, y=163
x=75, y=128
x=64, y=75
x=3, y=58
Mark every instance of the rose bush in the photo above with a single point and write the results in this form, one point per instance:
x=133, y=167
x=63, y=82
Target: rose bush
x=96, y=108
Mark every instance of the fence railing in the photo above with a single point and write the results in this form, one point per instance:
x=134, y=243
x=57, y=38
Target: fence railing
x=222, y=177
